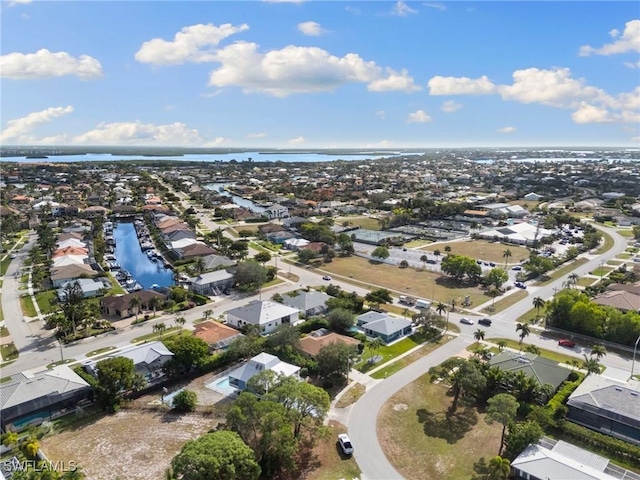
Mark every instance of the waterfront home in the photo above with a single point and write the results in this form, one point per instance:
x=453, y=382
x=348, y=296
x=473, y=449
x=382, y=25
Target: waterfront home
x=277, y=211
x=28, y=399
x=264, y=314
x=212, y=283
x=66, y=273
x=90, y=287
x=120, y=305
x=261, y=362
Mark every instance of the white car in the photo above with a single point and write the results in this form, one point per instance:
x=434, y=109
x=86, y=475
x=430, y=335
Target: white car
x=345, y=444
x=327, y=278
x=466, y=321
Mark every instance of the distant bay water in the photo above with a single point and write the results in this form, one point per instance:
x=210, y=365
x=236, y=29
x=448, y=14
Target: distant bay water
x=214, y=157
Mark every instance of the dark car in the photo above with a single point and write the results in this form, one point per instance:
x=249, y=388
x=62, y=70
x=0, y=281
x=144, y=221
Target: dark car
x=520, y=285
x=566, y=343
x=485, y=321
x=517, y=267
x=492, y=264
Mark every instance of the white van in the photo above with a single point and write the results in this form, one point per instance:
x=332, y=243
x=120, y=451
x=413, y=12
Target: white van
x=423, y=304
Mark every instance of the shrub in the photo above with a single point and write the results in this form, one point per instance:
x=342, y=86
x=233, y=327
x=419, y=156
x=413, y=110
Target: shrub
x=617, y=449
x=185, y=401
x=314, y=323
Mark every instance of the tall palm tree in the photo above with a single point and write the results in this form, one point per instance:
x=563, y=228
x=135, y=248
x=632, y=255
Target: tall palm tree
x=538, y=303
x=180, y=321
x=524, y=330
x=591, y=365
x=502, y=345
x=207, y=314
x=441, y=307
x=499, y=468
x=135, y=303
x=199, y=265
x=374, y=346
x=424, y=259
x=154, y=303
x=573, y=278
x=598, y=351
x=479, y=335
x=506, y=255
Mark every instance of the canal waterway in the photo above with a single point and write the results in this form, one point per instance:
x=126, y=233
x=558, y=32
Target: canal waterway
x=135, y=261
x=242, y=202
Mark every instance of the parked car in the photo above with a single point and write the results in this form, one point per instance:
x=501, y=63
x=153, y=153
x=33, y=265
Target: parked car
x=566, y=343
x=466, y=321
x=517, y=267
x=479, y=262
x=520, y=285
x=345, y=444
x=485, y=321
x=492, y=264
x=327, y=278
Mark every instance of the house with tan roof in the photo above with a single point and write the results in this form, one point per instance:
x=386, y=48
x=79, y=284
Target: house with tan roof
x=217, y=335
x=316, y=340
x=620, y=299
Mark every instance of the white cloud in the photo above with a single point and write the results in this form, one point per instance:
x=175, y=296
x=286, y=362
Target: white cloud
x=506, y=130
x=450, y=106
x=460, y=86
x=381, y=114
x=18, y=129
x=13, y=3
x=591, y=114
x=380, y=144
x=294, y=69
x=215, y=93
x=194, y=43
x=311, y=29
x=632, y=64
x=419, y=116
x=217, y=141
x=46, y=64
x=138, y=133
x=629, y=41
x=353, y=10
x=256, y=135
x=395, y=82
x=296, y=141
x=437, y=6
x=401, y=9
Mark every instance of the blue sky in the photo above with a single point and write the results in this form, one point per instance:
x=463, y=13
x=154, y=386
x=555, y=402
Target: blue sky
x=321, y=74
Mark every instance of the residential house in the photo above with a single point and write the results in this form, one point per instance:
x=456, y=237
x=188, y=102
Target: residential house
x=532, y=196
x=66, y=273
x=620, y=299
x=261, y=362
x=95, y=211
x=70, y=243
x=607, y=406
x=277, y=211
x=279, y=237
x=543, y=370
x=29, y=399
x=70, y=260
x=309, y=303
x=217, y=335
x=295, y=244
x=383, y=326
x=264, y=314
x=212, y=283
x=558, y=460
x=120, y=305
x=197, y=250
x=216, y=262
x=316, y=340
x=90, y=287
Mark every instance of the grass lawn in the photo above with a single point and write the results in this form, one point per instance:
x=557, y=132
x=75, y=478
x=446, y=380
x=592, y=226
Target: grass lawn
x=4, y=264
x=625, y=233
x=2, y=317
x=606, y=246
x=550, y=354
x=601, y=271
x=27, y=306
x=367, y=223
x=615, y=262
x=149, y=337
x=506, y=302
x=387, y=352
x=405, y=281
x=586, y=281
x=547, y=279
x=9, y=352
x=46, y=301
x=61, y=362
x=4, y=331
x=333, y=463
x=529, y=315
x=484, y=250
x=116, y=288
x=275, y=281
x=625, y=256
x=99, y=351
x=351, y=396
x=417, y=243
x=422, y=443
x=409, y=359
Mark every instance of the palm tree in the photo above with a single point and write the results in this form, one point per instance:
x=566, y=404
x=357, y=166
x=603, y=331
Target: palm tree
x=160, y=328
x=207, y=314
x=135, y=302
x=441, y=307
x=180, y=321
x=502, y=345
x=598, y=351
x=538, y=303
x=532, y=349
x=374, y=346
x=524, y=330
x=199, y=265
x=424, y=259
x=591, y=365
x=573, y=279
x=499, y=468
x=447, y=248
x=479, y=335
x=154, y=303
x=506, y=255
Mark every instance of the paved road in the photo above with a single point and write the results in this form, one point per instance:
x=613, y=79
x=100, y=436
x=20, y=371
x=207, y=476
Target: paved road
x=362, y=420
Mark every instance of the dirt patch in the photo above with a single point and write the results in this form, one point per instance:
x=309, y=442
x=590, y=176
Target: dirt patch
x=127, y=445
x=400, y=407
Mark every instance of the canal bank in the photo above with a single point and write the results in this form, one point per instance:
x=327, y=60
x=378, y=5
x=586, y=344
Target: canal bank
x=146, y=270
x=240, y=201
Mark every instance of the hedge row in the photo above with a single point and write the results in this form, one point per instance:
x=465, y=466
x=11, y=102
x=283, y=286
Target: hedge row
x=613, y=447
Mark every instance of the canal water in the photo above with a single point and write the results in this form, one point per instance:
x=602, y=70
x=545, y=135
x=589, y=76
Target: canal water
x=135, y=261
x=242, y=202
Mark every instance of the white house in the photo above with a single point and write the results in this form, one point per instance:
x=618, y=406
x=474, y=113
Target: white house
x=533, y=196
x=212, y=283
x=264, y=314
x=261, y=362
x=277, y=211
x=90, y=287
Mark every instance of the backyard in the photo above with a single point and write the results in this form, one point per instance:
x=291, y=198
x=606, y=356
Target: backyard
x=421, y=442
x=407, y=281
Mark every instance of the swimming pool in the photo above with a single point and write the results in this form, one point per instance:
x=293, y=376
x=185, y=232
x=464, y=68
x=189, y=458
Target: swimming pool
x=222, y=385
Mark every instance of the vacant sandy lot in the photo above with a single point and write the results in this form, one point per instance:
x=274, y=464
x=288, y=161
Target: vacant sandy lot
x=129, y=445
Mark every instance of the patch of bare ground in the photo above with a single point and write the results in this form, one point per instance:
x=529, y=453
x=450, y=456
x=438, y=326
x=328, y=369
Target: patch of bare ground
x=333, y=464
x=128, y=445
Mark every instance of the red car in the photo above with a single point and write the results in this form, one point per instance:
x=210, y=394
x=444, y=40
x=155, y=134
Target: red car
x=566, y=343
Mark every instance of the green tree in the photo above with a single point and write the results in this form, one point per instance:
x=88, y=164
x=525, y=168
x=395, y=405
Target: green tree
x=221, y=455
x=341, y=320
x=591, y=365
x=524, y=330
x=283, y=339
x=538, y=303
x=134, y=305
x=160, y=328
x=306, y=255
x=374, y=346
x=499, y=468
x=464, y=378
x=496, y=277
x=154, y=303
x=502, y=409
x=460, y=266
x=598, y=351
x=10, y=439
x=424, y=259
x=207, y=314
x=262, y=257
x=250, y=276
x=180, y=321
x=519, y=436
x=378, y=297
x=188, y=352
x=479, y=335
x=506, y=255
x=380, y=252
x=334, y=360
x=441, y=308
x=185, y=401
x=115, y=377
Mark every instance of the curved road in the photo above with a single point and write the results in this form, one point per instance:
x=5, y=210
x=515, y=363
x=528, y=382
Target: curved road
x=362, y=420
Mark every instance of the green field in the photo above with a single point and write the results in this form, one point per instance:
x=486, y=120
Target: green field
x=483, y=250
x=28, y=309
x=506, y=302
x=47, y=301
x=547, y=279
